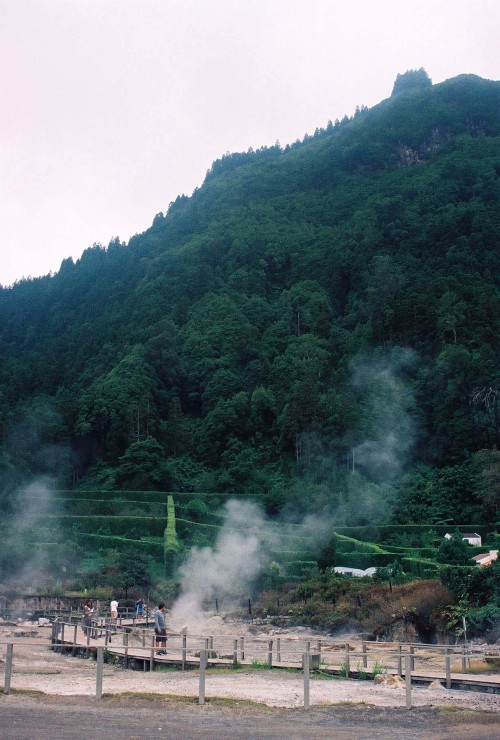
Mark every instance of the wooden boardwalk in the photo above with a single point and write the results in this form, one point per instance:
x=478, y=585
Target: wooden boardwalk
x=134, y=644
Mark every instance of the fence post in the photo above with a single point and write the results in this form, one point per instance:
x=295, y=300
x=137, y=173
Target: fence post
x=464, y=660
x=318, y=648
x=278, y=649
x=408, y=660
x=184, y=650
x=365, y=656
x=152, y=655
x=203, y=666
x=235, y=653
x=211, y=644
x=447, y=660
x=270, y=654
x=88, y=642
x=347, y=660
x=125, y=653
x=242, y=648
x=75, y=628
x=8, y=668
x=99, y=672
x=400, y=661
x=306, y=666
x=412, y=655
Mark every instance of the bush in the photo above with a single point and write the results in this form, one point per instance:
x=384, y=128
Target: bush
x=483, y=620
x=196, y=509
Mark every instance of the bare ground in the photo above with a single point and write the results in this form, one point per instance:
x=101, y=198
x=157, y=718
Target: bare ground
x=244, y=703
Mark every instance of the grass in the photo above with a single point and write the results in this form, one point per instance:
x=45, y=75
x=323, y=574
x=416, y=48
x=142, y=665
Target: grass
x=25, y=692
x=152, y=698
x=475, y=667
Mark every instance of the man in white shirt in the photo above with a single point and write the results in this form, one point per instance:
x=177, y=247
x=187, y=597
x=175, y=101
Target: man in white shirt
x=113, y=608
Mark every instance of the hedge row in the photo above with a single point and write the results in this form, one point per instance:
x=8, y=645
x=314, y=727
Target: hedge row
x=159, y=496
x=383, y=532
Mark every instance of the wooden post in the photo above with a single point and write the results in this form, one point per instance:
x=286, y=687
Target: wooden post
x=400, y=661
x=447, y=660
x=75, y=628
x=464, y=659
x=61, y=642
x=125, y=653
x=270, y=654
x=242, y=648
x=8, y=668
x=278, y=649
x=203, y=667
x=235, y=653
x=318, y=648
x=408, y=660
x=211, y=644
x=347, y=660
x=365, y=656
x=143, y=638
x=412, y=655
x=184, y=650
x=88, y=642
x=152, y=654
x=99, y=672
x=306, y=666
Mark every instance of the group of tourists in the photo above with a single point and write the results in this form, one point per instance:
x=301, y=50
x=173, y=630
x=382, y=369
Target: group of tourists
x=160, y=627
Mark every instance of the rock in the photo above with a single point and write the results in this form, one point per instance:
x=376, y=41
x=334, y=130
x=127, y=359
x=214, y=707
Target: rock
x=395, y=682
x=436, y=686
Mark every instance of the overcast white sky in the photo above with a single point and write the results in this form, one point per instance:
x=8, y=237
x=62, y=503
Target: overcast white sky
x=112, y=108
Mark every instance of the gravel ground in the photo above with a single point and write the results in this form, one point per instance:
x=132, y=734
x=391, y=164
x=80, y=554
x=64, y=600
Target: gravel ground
x=242, y=703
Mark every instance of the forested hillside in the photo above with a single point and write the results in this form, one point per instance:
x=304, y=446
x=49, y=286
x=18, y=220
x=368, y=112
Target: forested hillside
x=317, y=324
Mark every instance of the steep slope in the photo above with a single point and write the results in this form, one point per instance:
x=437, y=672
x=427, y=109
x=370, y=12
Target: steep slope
x=213, y=351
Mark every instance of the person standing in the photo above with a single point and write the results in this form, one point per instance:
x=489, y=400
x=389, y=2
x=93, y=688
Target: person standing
x=88, y=610
x=113, y=608
x=161, y=629
x=139, y=609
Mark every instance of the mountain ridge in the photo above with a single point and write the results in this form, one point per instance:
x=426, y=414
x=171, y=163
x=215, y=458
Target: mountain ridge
x=227, y=329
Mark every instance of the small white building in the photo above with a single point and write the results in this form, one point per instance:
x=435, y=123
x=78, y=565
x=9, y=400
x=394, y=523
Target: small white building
x=473, y=538
x=486, y=558
x=356, y=572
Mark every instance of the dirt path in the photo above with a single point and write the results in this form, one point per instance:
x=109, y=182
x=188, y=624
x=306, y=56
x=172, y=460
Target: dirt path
x=79, y=719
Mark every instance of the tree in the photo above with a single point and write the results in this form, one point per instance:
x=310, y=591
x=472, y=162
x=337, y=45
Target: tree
x=413, y=79
x=326, y=558
x=141, y=467
x=170, y=541
x=133, y=570
x=454, y=551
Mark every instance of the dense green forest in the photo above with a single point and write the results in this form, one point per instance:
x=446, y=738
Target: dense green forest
x=316, y=326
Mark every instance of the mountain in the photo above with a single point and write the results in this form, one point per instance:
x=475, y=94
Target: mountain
x=311, y=312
